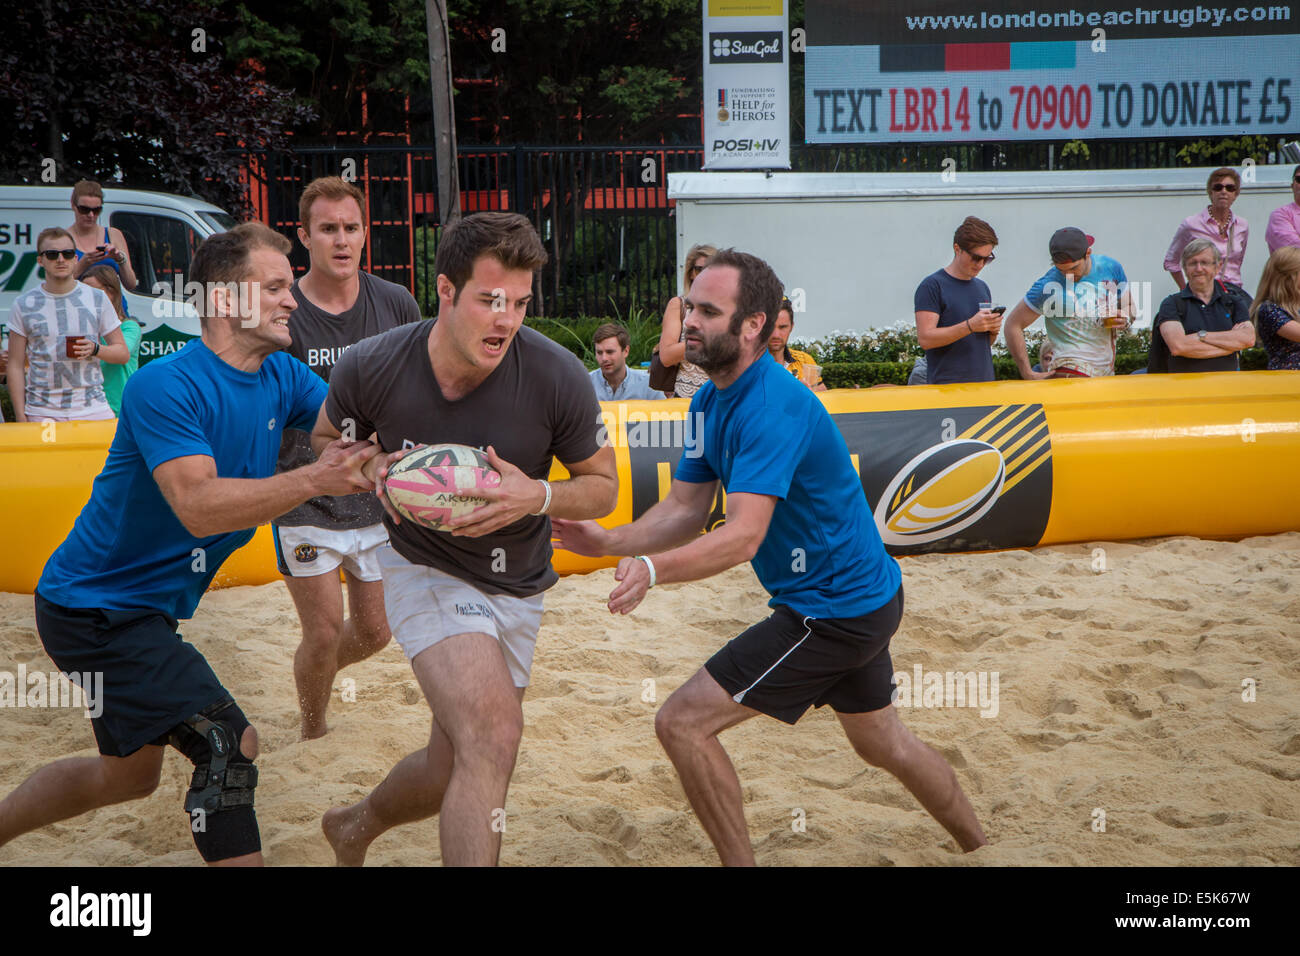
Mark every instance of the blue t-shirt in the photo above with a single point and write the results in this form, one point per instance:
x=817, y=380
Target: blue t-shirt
x=970, y=358
x=768, y=434
x=1071, y=311
x=128, y=550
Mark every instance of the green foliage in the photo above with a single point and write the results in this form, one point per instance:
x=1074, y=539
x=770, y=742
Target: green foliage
x=1223, y=152
x=1076, y=147
x=865, y=374
x=6, y=403
x=897, y=343
x=143, y=91
x=577, y=70
x=329, y=50
x=575, y=333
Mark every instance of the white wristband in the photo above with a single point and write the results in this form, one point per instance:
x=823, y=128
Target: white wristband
x=547, y=503
x=649, y=564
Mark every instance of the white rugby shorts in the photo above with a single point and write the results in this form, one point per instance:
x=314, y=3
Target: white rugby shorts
x=304, y=552
x=426, y=606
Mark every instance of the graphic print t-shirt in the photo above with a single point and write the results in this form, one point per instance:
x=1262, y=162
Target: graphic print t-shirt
x=57, y=387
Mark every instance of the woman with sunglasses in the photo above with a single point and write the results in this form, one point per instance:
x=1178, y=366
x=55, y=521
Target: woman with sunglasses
x=98, y=246
x=672, y=341
x=1284, y=222
x=1217, y=223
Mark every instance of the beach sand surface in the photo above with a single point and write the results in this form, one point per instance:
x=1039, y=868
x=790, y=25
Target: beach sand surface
x=1120, y=734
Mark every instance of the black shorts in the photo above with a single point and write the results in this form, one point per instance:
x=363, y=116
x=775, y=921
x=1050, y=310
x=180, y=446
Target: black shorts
x=788, y=663
x=152, y=680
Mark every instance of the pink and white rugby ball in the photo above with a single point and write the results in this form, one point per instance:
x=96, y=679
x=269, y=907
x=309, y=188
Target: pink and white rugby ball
x=432, y=485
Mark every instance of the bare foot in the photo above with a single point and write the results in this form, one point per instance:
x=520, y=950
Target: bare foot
x=342, y=828
x=313, y=729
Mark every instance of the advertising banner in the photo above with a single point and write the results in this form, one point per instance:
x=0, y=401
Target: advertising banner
x=746, y=85
x=943, y=71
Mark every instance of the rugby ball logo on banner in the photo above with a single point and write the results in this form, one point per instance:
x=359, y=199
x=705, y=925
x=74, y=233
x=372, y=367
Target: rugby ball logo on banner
x=975, y=478
x=746, y=85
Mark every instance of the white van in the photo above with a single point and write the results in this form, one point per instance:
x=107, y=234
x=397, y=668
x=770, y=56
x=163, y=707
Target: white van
x=162, y=231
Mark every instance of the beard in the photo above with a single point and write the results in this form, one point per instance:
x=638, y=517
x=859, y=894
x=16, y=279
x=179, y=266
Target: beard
x=715, y=354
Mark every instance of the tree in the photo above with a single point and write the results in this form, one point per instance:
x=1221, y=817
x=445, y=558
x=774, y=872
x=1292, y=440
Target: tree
x=571, y=71
x=139, y=90
x=330, y=51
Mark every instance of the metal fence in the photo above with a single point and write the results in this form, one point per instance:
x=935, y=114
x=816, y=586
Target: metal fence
x=602, y=211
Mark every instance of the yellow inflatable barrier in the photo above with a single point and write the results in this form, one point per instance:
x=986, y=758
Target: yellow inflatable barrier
x=945, y=468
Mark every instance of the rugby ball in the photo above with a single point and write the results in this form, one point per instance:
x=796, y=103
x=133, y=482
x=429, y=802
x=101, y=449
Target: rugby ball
x=432, y=485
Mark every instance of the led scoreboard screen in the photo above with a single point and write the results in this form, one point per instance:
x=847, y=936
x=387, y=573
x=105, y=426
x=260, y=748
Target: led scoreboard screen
x=945, y=71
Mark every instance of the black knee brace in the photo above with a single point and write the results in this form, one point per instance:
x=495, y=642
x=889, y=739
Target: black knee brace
x=220, y=798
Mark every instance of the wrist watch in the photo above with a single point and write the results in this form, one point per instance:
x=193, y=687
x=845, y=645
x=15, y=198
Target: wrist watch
x=1201, y=335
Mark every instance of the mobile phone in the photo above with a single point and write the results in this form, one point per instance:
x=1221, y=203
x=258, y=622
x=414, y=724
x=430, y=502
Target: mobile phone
x=998, y=310
x=100, y=248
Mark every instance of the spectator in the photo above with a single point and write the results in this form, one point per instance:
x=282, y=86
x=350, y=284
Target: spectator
x=954, y=321
x=1084, y=302
x=1216, y=223
x=1205, y=325
x=56, y=328
x=93, y=247
x=614, y=381
x=920, y=373
x=800, y=364
x=672, y=341
x=1276, y=310
x=1284, y=222
x=115, y=376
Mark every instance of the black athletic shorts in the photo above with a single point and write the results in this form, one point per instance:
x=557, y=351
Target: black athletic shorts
x=152, y=680
x=788, y=663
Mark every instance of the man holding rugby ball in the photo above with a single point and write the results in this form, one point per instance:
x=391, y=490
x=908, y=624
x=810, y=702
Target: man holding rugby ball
x=795, y=508
x=465, y=603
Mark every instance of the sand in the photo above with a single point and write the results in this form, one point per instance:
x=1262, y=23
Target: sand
x=1119, y=692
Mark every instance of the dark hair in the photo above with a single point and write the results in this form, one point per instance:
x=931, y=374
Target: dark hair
x=223, y=258
x=507, y=237
x=787, y=306
x=974, y=232
x=328, y=187
x=758, y=290
x=611, y=330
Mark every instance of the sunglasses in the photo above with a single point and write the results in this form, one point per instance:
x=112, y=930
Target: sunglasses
x=52, y=255
x=989, y=258
x=89, y=210
x=1229, y=187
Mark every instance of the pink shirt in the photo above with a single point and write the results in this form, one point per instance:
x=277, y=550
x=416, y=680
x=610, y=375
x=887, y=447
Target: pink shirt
x=1203, y=226
x=1283, y=227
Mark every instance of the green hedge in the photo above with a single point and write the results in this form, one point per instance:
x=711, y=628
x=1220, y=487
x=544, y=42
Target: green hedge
x=866, y=374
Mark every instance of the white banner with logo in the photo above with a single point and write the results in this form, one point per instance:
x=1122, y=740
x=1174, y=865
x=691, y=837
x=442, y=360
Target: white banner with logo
x=746, y=85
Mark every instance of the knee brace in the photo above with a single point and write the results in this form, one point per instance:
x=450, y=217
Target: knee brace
x=220, y=798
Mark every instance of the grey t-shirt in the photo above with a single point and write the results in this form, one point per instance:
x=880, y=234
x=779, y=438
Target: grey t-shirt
x=536, y=404
x=319, y=338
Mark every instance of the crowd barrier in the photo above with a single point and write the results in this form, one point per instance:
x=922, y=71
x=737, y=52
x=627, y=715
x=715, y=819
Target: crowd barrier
x=976, y=467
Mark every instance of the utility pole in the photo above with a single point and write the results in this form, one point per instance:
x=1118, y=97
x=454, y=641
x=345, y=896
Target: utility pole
x=444, y=112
